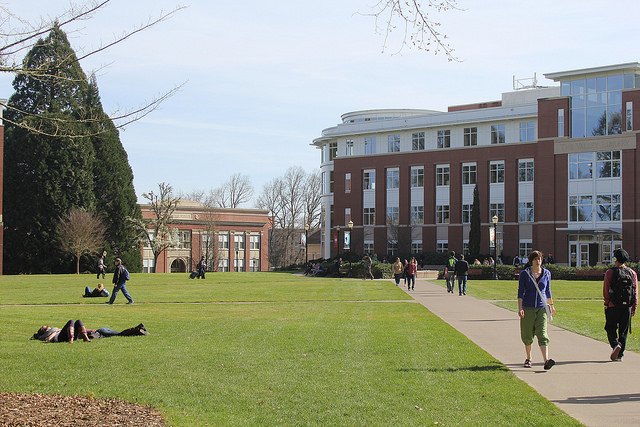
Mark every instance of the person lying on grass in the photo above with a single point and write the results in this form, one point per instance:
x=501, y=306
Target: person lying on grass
x=100, y=291
x=75, y=330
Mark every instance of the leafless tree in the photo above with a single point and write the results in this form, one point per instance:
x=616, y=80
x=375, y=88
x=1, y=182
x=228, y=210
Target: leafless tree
x=156, y=231
x=311, y=195
x=412, y=18
x=81, y=232
x=18, y=36
x=233, y=193
x=210, y=240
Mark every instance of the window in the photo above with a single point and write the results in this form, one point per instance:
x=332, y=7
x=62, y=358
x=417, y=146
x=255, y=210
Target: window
x=527, y=130
x=184, y=239
x=333, y=150
x=254, y=264
x=608, y=164
x=580, y=208
x=525, y=170
x=470, y=136
x=392, y=247
x=393, y=215
x=347, y=182
x=496, y=173
x=368, y=247
x=369, y=180
x=150, y=239
x=393, y=178
x=608, y=208
x=497, y=134
x=442, y=175
x=417, y=214
x=347, y=215
x=254, y=242
x=370, y=145
x=444, y=138
x=442, y=214
x=369, y=216
x=496, y=209
x=629, y=115
x=223, y=241
x=238, y=264
x=324, y=183
x=148, y=266
x=394, y=143
x=525, y=212
x=469, y=174
x=417, y=141
x=223, y=265
x=417, y=176
x=349, y=147
x=466, y=214
x=580, y=165
x=238, y=241
x=331, y=175
x=442, y=246
x=561, y=122
x=416, y=247
x=525, y=248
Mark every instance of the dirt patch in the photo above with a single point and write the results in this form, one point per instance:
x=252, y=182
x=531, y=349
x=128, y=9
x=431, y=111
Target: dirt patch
x=53, y=410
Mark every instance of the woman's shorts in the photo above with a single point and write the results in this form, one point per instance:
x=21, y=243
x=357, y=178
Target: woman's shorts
x=534, y=323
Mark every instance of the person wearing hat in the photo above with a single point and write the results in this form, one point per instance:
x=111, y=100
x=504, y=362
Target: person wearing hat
x=620, y=292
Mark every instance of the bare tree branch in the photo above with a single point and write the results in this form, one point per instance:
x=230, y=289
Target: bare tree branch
x=81, y=232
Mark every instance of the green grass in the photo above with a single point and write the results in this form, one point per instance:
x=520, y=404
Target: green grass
x=262, y=349
x=579, y=305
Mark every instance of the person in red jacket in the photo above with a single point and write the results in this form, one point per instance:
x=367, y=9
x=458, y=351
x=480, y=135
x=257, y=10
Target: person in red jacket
x=411, y=274
x=620, y=292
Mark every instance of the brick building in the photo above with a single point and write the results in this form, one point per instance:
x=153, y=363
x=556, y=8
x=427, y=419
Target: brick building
x=230, y=239
x=556, y=166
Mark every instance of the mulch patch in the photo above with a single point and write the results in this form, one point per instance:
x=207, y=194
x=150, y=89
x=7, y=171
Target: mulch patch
x=25, y=409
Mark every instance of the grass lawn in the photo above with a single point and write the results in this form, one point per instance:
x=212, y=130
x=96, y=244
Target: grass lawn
x=578, y=303
x=262, y=349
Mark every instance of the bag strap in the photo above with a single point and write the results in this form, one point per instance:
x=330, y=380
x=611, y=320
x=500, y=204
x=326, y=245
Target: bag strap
x=535, y=285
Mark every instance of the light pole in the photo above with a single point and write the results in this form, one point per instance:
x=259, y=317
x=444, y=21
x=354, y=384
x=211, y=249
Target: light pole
x=338, y=231
x=306, y=244
x=350, y=225
x=237, y=262
x=494, y=220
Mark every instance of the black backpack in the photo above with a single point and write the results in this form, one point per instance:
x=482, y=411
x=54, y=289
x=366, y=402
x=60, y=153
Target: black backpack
x=622, y=292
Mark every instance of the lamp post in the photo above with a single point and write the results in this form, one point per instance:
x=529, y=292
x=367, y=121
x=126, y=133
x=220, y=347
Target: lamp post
x=338, y=232
x=237, y=266
x=350, y=225
x=494, y=220
x=306, y=244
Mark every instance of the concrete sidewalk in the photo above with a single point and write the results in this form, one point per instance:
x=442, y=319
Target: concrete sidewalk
x=584, y=382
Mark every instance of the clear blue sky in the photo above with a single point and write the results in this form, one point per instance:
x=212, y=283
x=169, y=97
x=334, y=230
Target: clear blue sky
x=265, y=77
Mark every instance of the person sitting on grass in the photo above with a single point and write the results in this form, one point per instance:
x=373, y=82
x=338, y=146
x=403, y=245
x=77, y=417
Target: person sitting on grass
x=100, y=291
x=74, y=330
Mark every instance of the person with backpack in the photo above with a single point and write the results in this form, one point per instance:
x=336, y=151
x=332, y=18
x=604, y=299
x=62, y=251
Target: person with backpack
x=620, y=292
x=120, y=278
x=461, y=271
x=450, y=274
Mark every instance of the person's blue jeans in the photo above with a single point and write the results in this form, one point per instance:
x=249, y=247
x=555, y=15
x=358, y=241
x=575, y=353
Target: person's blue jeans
x=121, y=287
x=397, y=277
x=107, y=332
x=462, y=284
x=411, y=281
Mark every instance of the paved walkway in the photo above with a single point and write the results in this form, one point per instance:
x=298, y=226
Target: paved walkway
x=584, y=382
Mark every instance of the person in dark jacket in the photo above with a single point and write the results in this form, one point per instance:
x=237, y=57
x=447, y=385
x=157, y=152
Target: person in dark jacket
x=120, y=282
x=100, y=291
x=462, y=267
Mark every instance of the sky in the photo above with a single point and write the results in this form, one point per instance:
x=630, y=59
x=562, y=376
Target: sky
x=262, y=78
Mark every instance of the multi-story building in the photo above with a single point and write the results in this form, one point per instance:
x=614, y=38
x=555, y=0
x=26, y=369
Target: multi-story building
x=229, y=239
x=556, y=166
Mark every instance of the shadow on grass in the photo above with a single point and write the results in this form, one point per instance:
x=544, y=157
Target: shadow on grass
x=486, y=368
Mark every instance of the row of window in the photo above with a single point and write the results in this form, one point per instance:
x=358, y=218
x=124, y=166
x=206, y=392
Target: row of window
x=238, y=241
x=238, y=264
x=525, y=247
x=608, y=164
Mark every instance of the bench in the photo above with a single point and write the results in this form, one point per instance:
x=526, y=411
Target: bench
x=474, y=272
x=344, y=271
x=590, y=273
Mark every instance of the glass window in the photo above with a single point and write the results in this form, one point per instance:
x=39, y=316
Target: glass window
x=470, y=136
x=347, y=182
x=333, y=150
x=442, y=175
x=608, y=164
x=254, y=264
x=392, y=247
x=394, y=143
x=497, y=134
x=496, y=209
x=393, y=215
x=496, y=173
x=369, y=216
x=525, y=170
x=369, y=180
x=368, y=247
x=347, y=215
x=560, y=121
x=416, y=247
x=223, y=265
x=469, y=173
x=254, y=242
x=629, y=116
x=349, y=147
x=417, y=176
x=417, y=214
x=223, y=241
x=331, y=175
x=417, y=141
x=442, y=246
x=608, y=207
x=442, y=214
x=466, y=214
x=580, y=165
x=527, y=131
x=238, y=241
x=525, y=212
x=369, y=145
x=525, y=248
x=444, y=138
x=393, y=178
x=580, y=208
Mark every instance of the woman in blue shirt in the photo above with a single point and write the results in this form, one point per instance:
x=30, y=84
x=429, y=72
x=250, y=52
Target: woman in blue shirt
x=531, y=307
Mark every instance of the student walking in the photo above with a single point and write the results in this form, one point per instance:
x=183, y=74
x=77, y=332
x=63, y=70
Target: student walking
x=120, y=278
x=462, y=267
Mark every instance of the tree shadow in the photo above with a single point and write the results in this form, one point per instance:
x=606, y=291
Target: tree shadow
x=485, y=368
x=601, y=400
